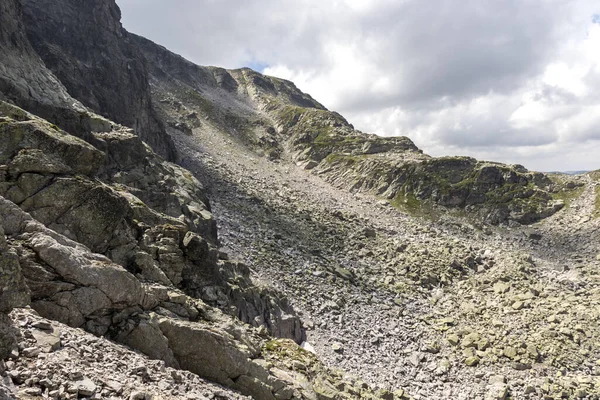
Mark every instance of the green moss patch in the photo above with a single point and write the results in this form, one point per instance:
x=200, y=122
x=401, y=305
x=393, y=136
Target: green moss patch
x=568, y=195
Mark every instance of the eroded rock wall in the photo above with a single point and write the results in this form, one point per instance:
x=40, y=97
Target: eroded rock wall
x=87, y=49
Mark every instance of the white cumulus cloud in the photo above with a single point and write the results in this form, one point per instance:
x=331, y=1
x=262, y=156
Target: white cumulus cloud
x=509, y=80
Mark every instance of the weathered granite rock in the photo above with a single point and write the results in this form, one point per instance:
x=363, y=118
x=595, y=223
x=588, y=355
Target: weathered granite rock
x=13, y=293
x=13, y=290
x=23, y=76
x=76, y=284
x=147, y=337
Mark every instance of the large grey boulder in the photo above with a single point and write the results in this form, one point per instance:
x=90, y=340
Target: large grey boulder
x=71, y=284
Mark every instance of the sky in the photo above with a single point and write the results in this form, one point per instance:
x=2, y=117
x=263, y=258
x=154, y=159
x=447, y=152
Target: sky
x=515, y=81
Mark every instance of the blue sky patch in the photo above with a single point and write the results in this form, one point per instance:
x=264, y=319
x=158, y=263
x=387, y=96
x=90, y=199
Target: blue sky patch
x=257, y=66
x=596, y=19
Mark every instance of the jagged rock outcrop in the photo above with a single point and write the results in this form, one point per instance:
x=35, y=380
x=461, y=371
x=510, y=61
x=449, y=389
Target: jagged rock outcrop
x=85, y=46
x=74, y=286
x=141, y=217
x=497, y=192
x=13, y=293
x=25, y=80
x=125, y=202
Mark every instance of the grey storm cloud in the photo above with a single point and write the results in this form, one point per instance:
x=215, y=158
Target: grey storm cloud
x=478, y=78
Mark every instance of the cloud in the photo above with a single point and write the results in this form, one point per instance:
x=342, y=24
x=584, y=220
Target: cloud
x=510, y=80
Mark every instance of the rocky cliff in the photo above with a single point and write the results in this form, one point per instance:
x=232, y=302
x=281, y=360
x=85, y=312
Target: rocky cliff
x=105, y=72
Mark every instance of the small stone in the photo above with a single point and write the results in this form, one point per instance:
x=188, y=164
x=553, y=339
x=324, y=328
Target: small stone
x=469, y=352
x=472, y=361
x=483, y=344
x=529, y=389
x=453, y=339
x=471, y=340
x=501, y=287
x=443, y=367
x=496, y=379
x=139, y=395
x=117, y=387
x=76, y=376
x=519, y=366
x=384, y=394
x=415, y=359
x=86, y=387
x=337, y=347
x=43, y=325
x=47, y=383
x=298, y=365
x=517, y=305
x=566, y=331
x=533, y=351
x=510, y=352
x=433, y=347
x=48, y=340
x=498, y=391
x=34, y=391
x=31, y=352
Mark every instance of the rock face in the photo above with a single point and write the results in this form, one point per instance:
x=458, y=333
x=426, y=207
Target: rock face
x=105, y=71
x=145, y=214
x=13, y=293
x=25, y=80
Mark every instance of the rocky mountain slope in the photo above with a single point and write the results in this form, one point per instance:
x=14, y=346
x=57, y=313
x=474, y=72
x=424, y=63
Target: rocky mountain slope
x=273, y=117
x=282, y=225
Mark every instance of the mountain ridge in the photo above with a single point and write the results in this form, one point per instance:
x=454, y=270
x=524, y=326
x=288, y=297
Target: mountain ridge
x=282, y=225
x=291, y=122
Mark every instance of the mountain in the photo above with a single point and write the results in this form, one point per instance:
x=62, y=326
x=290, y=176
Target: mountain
x=246, y=242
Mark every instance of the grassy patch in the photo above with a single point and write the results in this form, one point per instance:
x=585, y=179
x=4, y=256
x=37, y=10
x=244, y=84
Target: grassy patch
x=407, y=201
x=198, y=100
x=335, y=158
x=567, y=195
x=290, y=116
x=285, y=349
x=413, y=206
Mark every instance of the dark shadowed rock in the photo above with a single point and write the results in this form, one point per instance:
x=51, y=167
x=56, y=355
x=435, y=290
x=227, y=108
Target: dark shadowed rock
x=105, y=71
